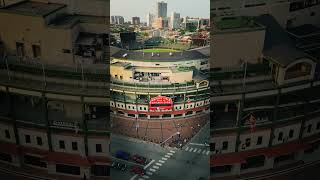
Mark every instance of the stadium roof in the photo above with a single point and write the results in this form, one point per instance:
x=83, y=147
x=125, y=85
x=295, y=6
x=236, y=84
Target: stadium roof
x=161, y=56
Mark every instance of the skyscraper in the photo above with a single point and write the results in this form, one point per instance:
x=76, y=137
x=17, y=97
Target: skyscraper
x=150, y=19
x=161, y=10
x=135, y=20
x=174, y=20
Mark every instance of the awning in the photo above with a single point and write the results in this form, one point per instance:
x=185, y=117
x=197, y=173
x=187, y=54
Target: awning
x=32, y=150
x=240, y=157
x=287, y=148
x=226, y=159
x=9, y=148
x=67, y=158
x=99, y=159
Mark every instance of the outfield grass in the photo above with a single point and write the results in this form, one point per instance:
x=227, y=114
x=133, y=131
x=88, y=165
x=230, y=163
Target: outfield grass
x=158, y=50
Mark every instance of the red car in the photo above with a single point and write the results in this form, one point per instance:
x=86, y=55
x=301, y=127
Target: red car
x=137, y=170
x=139, y=159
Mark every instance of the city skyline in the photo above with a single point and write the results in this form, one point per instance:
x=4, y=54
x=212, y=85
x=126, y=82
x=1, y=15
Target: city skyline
x=146, y=6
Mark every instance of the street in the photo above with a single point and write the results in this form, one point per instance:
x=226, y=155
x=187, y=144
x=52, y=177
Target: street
x=189, y=163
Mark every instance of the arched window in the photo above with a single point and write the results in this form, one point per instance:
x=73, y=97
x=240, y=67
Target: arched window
x=298, y=70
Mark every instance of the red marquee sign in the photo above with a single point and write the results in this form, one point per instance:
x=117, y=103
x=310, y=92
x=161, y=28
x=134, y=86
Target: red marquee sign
x=160, y=103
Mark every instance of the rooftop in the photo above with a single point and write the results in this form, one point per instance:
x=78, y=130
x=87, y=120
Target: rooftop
x=33, y=8
x=68, y=20
x=161, y=56
x=278, y=41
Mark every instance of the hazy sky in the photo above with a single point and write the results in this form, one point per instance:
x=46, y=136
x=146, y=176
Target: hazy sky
x=140, y=8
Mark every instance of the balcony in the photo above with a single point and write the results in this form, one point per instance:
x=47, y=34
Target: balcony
x=101, y=124
x=59, y=120
x=223, y=120
x=28, y=110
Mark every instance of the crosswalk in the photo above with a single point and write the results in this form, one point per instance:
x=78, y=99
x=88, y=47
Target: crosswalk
x=155, y=166
x=203, y=151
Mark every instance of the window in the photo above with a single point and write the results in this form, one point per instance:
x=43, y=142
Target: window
x=259, y=141
x=309, y=128
x=225, y=145
x=5, y=157
x=20, y=49
x=100, y=170
x=36, y=51
x=253, y=162
x=98, y=148
x=248, y=142
x=62, y=145
x=35, y=161
x=221, y=169
x=27, y=138
x=39, y=141
x=7, y=134
x=74, y=146
x=280, y=136
x=212, y=146
x=66, y=51
x=66, y=169
x=291, y=133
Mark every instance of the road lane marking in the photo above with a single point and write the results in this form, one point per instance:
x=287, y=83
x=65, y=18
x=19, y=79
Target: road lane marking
x=170, y=154
x=140, y=179
x=145, y=176
x=158, y=164
x=164, y=159
x=161, y=161
x=172, y=151
x=204, y=152
x=208, y=152
x=190, y=149
x=149, y=173
x=134, y=177
x=198, y=144
x=195, y=150
x=186, y=149
x=199, y=151
x=167, y=156
x=155, y=167
x=149, y=164
x=153, y=170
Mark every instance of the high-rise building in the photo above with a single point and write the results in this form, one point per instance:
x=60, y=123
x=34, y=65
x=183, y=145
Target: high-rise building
x=112, y=20
x=135, y=20
x=117, y=20
x=174, y=20
x=150, y=19
x=161, y=10
x=160, y=23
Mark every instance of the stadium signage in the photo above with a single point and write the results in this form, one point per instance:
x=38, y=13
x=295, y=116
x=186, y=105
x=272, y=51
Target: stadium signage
x=160, y=103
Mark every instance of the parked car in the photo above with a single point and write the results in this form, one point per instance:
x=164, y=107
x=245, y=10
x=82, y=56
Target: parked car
x=122, y=155
x=139, y=159
x=137, y=170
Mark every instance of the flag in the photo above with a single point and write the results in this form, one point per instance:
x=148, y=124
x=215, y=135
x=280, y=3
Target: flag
x=252, y=121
